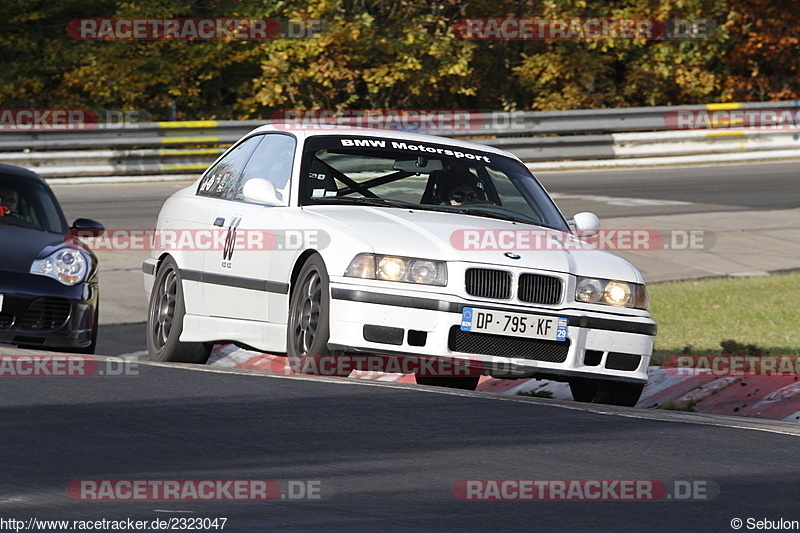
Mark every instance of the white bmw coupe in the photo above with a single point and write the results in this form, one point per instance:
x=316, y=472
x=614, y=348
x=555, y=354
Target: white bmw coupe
x=348, y=245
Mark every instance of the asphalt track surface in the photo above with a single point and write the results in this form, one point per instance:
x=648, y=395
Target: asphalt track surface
x=387, y=456
x=704, y=188
x=708, y=188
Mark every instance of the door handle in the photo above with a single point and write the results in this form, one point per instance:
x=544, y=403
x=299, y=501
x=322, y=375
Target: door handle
x=219, y=222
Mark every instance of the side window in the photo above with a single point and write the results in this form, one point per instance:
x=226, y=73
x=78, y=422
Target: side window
x=220, y=180
x=271, y=161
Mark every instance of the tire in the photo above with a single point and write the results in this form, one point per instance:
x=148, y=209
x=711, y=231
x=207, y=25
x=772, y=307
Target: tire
x=605, y=391
x=165, y=320
x=308, y=328
x=464, y=383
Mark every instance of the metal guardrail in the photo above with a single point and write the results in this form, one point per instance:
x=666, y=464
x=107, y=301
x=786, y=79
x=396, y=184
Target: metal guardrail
x=142, y=135
x=73, y=163
x=578, y=135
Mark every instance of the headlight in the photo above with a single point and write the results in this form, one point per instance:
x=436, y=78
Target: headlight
x=67, y=265
x=617, y=293
x=611, y=292
x=391, y=268
x=589, y=290
x=396, y=268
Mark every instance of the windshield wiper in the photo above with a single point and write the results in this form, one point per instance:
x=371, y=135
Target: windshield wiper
x=494, y=214
x=3, y=220
x=380, y=202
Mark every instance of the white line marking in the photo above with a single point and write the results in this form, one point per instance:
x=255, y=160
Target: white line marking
x=617, y=200
x=133, y=356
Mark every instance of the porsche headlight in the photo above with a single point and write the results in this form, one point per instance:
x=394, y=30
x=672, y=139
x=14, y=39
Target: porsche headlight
x=611, y=292
x=396, y=268
x=67, y=265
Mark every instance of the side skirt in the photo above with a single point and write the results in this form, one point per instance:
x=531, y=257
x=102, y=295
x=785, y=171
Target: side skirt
x=266, y=336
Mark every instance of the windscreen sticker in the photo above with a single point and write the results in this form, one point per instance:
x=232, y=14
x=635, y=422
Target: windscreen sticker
x=379, y=143
x=317, y=193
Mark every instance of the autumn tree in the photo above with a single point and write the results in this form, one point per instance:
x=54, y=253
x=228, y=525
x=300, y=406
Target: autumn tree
x=394, y=55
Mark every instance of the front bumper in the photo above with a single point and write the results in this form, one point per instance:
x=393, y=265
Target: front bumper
x=603, y=345
x=41, y=312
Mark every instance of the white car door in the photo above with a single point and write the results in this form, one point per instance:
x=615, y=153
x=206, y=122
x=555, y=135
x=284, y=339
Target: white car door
x=215, y=187
x=239, y=276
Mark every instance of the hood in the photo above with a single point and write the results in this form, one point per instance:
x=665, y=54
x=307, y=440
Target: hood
x=475, y=239
x=20, y=246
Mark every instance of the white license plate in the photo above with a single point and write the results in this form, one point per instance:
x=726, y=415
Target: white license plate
x=552, y=328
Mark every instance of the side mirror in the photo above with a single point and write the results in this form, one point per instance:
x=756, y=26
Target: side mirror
x=86, y=227
x=586, y=224
x=261, y=191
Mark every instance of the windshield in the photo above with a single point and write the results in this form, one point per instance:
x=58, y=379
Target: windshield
x=30, y=204
x=349, y=170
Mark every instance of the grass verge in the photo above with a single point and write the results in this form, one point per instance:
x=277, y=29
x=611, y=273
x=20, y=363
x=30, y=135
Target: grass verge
x=759, y=314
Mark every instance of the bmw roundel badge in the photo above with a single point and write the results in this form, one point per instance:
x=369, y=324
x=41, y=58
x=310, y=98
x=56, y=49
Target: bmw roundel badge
x=512, y=255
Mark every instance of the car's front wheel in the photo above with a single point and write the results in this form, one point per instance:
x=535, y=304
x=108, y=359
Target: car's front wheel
x=605, y=391
x=165, y=320
x=308, y=330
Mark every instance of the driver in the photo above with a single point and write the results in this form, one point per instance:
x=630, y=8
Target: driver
x=464, y=193
x=459, y=188
x=9, y=200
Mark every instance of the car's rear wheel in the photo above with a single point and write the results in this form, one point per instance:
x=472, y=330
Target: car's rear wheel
x=308, y=330
x=165, y=320
x=461, y=382
x=605, y=391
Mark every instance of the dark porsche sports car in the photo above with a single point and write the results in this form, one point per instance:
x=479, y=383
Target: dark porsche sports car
x=48, y=277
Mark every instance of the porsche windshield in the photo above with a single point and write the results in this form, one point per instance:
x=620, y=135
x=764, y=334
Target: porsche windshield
x=387, y=172
x=29, y=203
